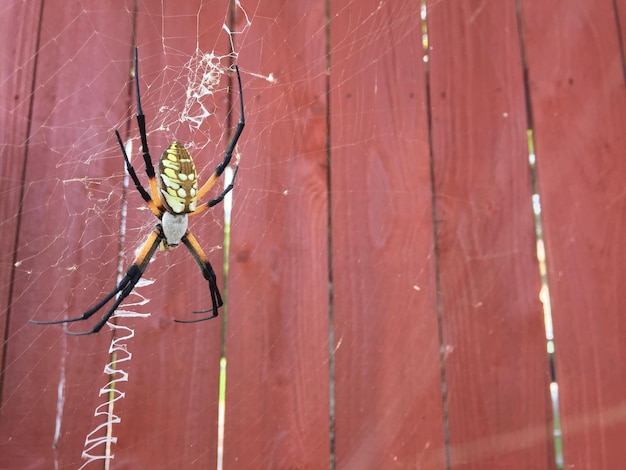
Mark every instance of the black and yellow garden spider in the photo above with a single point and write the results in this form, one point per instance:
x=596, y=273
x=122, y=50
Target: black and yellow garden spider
x=173, y=196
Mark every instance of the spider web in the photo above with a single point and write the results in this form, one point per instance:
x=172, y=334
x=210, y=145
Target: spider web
x=92, y=220
x=95, y=221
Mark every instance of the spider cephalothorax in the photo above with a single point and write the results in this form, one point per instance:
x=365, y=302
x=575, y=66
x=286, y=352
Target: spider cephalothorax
x=173, y=196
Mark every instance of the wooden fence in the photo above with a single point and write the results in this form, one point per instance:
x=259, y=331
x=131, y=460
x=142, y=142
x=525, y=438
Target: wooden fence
x=383, y=288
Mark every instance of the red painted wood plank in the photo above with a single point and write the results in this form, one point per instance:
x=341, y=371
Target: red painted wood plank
x=277, y=330
x=496, y=366
x=18, y=39
x=579, y=111
x=68, y=240
x=620, y=19
x=170, y=410
x=388, y=395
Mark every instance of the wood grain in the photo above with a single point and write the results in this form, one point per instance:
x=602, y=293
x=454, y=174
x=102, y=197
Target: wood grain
x=388, y=395
x=68, y=238
x=18, y=20
x=496, y=366
x=277, y=332
x=579, y=113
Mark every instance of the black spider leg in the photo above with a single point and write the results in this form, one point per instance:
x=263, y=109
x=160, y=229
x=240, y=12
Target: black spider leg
x=209, y=274
x=124, y=288
x=131, y=171
x=240, y=125
x=155, y=206
x=127, y=284
x=141, y=122
x=223, y=194
x=229, y=150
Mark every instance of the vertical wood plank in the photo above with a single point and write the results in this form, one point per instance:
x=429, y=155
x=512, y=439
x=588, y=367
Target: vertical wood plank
x=496, y=364
x=620, y=25
x=68, y=238
x=277, y=329
x=170, y=410
x=18, y=35
x=388, y=395
x=579, y=112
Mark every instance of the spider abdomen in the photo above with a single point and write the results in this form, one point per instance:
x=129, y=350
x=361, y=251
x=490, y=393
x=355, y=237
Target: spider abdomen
x=174, y=227
x=178, y=180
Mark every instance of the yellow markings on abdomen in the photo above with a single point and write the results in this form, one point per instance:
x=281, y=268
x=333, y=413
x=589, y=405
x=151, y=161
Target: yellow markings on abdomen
x=178, y=180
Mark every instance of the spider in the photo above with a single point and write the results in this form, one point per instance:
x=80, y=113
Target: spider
x=173, y=196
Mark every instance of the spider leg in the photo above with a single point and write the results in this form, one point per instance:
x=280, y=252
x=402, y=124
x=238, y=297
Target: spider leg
x=229, y=151
x=155, y=204
x=124, y=288
x=219, y=198
x=223, y=194
x=207, y=271
x=131, y=171
x=141, y=122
